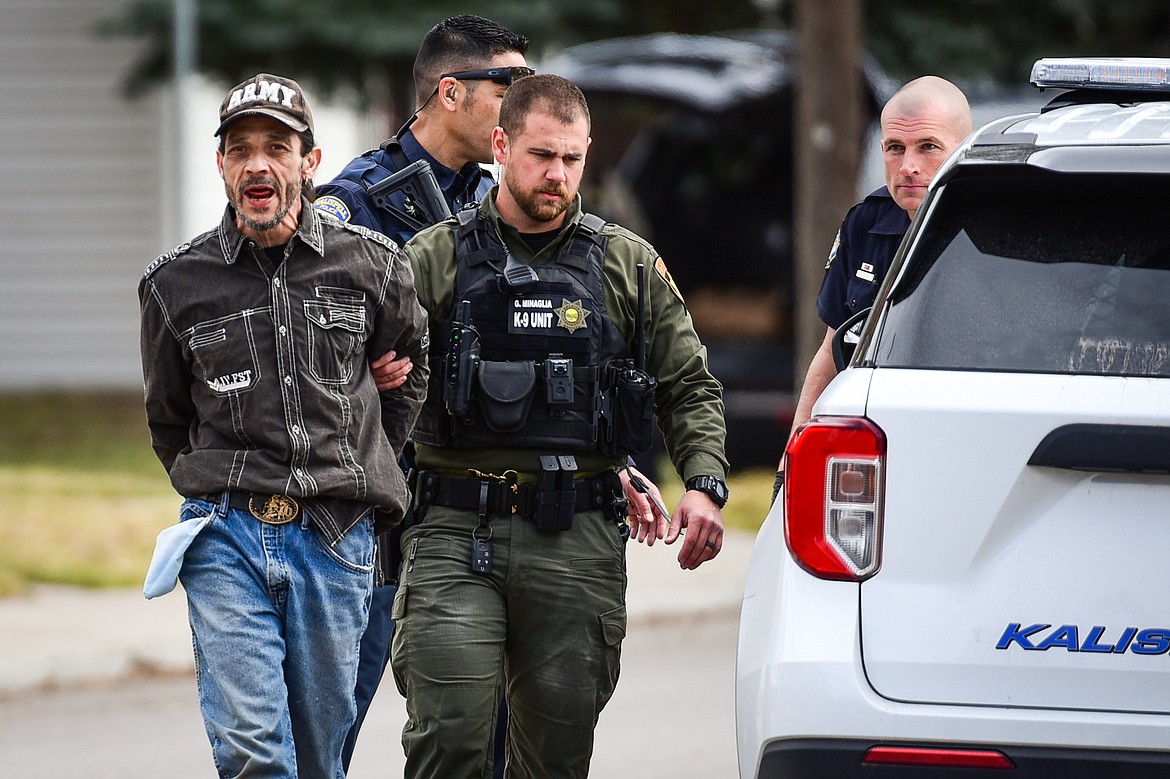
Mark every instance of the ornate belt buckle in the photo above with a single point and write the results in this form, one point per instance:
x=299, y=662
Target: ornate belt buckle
x=276, y=509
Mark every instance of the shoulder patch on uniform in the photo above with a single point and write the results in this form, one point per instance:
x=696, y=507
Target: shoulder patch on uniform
x=833, y=251
x=333, y=206
x=163, y=259
x=664, y=274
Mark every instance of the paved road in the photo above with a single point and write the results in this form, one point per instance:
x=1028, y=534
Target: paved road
x=672, y=716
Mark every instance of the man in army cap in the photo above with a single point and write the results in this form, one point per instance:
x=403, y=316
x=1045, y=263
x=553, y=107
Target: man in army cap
x=254, y=341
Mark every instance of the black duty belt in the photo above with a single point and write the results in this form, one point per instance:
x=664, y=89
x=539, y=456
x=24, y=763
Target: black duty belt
x=508, y=497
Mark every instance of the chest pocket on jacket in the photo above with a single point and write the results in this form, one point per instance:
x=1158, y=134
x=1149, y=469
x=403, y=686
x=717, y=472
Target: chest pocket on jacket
x=336, y=335
x=224, y=354
x=861, y=292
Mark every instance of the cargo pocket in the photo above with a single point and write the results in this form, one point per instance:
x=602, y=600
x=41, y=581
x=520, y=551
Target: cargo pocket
x=399, y=649
x=613, y=626
x=613, y=631
x=505, y=393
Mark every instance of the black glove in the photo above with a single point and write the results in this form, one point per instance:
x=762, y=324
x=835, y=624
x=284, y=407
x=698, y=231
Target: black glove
x=777, y=484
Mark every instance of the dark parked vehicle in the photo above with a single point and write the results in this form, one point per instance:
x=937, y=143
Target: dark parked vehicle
x=693, y=150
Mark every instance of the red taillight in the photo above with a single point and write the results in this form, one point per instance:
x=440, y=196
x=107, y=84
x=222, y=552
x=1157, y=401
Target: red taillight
x=939, y=758
x=833, y=493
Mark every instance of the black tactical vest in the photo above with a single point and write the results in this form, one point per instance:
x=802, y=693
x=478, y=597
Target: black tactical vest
x=532, y=360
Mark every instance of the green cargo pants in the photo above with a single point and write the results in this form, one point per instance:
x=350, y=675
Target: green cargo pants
x=549, y=619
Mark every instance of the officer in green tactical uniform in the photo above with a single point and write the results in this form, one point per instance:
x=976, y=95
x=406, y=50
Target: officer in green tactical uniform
x=553, y=335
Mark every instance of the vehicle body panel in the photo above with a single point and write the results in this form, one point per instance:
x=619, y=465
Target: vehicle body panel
x=976, y=540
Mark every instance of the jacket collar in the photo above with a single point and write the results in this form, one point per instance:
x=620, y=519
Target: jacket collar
x=892, y=220
x=511, y=235
x=467, y=177
x=309, y=231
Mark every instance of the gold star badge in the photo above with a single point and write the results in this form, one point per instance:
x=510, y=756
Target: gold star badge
x=571, y=316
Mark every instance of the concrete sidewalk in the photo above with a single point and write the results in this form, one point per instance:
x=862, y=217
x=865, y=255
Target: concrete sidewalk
x=61, y=636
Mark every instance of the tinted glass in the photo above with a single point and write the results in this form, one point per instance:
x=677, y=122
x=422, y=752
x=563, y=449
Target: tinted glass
x=1042, y=273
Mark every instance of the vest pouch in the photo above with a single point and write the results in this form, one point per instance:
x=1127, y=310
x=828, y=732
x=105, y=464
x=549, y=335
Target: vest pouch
x=505, y=394
x=630, y=427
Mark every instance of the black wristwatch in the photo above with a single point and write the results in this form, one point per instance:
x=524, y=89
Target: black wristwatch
x=714, y=488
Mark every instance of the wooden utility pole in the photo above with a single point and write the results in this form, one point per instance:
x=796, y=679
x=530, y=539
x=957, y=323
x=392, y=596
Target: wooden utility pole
x=827, y=148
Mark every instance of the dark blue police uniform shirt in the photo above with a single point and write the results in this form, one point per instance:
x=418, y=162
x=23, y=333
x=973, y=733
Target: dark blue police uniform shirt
x=860, y=257
x=345, y=196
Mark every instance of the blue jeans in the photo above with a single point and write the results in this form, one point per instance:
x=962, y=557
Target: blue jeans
x=276, y=617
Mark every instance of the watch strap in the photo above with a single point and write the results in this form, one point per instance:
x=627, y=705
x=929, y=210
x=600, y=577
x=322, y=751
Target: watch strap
x=712, y=486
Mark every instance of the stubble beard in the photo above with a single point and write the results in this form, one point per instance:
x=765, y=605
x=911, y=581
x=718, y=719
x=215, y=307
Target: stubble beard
x=292, y=192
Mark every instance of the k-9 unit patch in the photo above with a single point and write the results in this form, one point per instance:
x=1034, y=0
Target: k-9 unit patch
x=547, y=315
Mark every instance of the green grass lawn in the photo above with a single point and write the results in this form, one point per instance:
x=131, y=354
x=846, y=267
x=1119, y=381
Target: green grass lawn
x=82, y=496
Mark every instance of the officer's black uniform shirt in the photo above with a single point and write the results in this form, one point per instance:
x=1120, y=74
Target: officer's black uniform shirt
x=861, y=256
x=345, y=196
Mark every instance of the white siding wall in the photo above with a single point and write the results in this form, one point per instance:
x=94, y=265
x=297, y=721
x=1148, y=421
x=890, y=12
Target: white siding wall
x=85, y=200
x=80, y=205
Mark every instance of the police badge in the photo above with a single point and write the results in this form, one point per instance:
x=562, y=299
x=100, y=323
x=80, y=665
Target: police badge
x=571, y=316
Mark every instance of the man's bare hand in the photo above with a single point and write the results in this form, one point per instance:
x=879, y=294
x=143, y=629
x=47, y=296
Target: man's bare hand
x=390, y=373
x=703, y=521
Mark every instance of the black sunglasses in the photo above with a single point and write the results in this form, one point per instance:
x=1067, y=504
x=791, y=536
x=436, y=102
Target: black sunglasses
x=503, y=76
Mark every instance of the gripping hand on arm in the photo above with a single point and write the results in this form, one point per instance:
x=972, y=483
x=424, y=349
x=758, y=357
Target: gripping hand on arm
x=390, y=370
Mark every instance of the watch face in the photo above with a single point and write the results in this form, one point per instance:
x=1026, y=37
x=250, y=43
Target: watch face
x=716, y=489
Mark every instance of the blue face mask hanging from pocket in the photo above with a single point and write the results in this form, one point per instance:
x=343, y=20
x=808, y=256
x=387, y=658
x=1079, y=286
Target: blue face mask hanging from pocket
x=169, y=548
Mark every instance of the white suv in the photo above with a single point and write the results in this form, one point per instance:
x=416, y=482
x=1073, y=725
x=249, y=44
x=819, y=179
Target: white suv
x=969, y=568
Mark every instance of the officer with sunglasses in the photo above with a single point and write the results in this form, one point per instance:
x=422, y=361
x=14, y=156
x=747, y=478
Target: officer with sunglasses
x=450, y=131
x=464, y=66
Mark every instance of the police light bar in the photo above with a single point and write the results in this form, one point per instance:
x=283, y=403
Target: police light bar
x=1141, y=73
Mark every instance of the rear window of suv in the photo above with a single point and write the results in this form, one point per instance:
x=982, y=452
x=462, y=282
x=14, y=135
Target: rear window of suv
x=1037, y=272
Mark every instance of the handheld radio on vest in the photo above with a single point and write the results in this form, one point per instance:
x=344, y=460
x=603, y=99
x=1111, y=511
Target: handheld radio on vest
x=630, y=414
x=517, y=276
x=462, y=359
